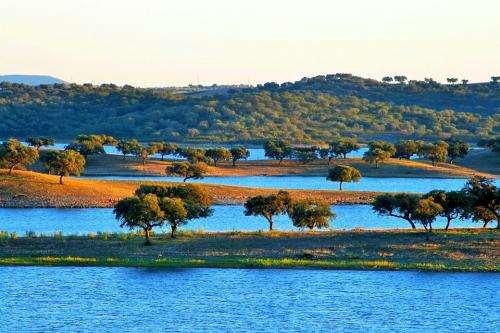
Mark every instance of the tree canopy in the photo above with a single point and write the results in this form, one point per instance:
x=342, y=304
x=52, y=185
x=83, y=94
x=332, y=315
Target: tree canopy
x=13, y=153
x=64, y=163
x=343, y=173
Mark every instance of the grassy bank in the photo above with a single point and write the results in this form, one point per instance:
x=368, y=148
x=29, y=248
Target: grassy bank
x=117, y=165
x=455, y=250
x=31, y=189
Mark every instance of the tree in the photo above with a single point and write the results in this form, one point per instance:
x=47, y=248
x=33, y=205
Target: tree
x=268, y=206
x=457, y=149
x=452, y=80
x=187, y=170
x=343, y=146
x=407, y=148
x=453, y=203
x=218, y=154
x=343, y=173
x=400, y=79
x=164, y=148
x=193, y=155
x=239, y=153
x=379, y=151
x=64, y=163
x=305, y=154
x=39, y=142
x=436, y=153
x=464, y=82
x=278, y=149
x=13, y=153
x=493, y=144
x=387, y=79
x=140, y=212
x=309, y=213
x=426, y=212
x=485, y=197
x=128, y=147
x=400, y=205
x=195, y=202
x=92, y=144
x=495, y=79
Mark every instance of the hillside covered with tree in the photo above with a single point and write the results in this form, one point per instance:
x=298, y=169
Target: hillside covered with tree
x=316, y=109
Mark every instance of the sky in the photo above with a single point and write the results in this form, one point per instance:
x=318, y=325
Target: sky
x=175, y=43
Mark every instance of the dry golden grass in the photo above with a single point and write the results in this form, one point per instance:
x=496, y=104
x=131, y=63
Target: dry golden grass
x=117, y=165
x=31, y=189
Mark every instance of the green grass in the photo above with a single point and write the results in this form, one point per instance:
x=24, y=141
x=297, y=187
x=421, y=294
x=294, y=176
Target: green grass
x=455, y=250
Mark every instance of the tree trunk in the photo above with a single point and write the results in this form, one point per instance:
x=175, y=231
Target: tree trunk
x=425, y=226
x=234, y=162
x=428, y=235
x=146, y=233
x=270, y=220
x=173, y=230
x=340, y=186
x=413, y=226
x=12, y=168
x=447, y=223
x=61, y=179
x=215, y=162
x=485, y=224
x=329, y=160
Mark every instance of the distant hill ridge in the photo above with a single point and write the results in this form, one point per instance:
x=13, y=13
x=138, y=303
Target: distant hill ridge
x=32, y=80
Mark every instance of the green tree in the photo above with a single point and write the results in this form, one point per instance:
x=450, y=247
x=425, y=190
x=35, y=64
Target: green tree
x=218, y=154
x=13, y=153
x=485, y=198
x=128, y=147
x=193, y=155
x=493, y=144
x=400, y=205
x=387, y=79
x=305, y=154
x=164, y=148
x=92, y=144
x=278, y=149
x=407, y=148
x=239, y=153
x=64, y=163
x=39, y=142
x=195, y=202
x=187, y=170
x=436, y=153
x=140, y=212
x=453, y=203
x=426, y=212
x=309, y=213
x=268, y=206
x=379, y=151
x=400, y=79
x=343, y=146
x=457, y=149
x=343, y=173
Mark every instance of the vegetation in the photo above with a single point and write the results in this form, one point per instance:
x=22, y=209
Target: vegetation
x=13, y=153
x=278, y=149
x=39, y=142
x=187, y=170
x=268, y=206
x=91, y=144
x=455, y=250
x=128, y=147
x=64, y=163
x=310, y=213
x=239, y=153
x=484, y=199
x=379, y=151
x=343, y=173
x=343, y=146
x=218, y=154
x=400, y=205
x=436, y=152
x=457, y=149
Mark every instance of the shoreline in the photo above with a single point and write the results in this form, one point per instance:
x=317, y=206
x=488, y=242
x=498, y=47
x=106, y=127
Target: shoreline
x=457, y=250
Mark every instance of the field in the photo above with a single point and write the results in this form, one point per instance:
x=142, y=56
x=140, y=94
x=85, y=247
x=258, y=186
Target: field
x=455, y=250
x=31, y=189
x=117, y=165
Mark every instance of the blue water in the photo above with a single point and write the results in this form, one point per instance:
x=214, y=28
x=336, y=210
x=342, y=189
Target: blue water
x=316, y=182
x=73, y=299
x=71, y=221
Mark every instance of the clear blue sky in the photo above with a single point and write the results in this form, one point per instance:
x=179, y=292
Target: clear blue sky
x=163, y=43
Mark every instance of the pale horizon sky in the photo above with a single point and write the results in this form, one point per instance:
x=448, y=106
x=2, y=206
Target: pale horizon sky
x=167, y=43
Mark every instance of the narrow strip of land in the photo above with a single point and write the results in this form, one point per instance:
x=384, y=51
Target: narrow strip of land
x=454, y=250
x=31, y=189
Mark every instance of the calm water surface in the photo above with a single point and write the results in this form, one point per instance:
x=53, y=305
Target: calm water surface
x=72, y=221
x=317, y=183
x=71, y=299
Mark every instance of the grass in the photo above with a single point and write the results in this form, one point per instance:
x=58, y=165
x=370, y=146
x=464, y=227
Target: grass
x=32, y=189
x=455, y=250
x=117, y=165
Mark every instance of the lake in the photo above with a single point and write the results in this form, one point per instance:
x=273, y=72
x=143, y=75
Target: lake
x=71, y=221
x=72, y=299
x=420, y=185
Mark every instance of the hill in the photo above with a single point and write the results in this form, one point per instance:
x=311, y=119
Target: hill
x=303, y=112
x=32, y=80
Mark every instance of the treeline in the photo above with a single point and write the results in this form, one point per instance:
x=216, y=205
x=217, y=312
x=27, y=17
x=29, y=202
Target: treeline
x=250, y=115
x=155, y=206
